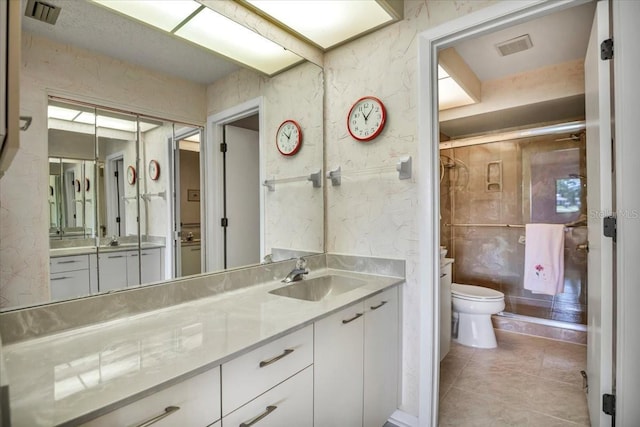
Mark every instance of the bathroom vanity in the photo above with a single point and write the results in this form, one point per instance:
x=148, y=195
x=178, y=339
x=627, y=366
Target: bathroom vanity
x=233, y=356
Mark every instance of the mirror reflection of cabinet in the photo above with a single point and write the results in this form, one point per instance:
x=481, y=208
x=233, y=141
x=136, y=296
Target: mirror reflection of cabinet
x=96, y=210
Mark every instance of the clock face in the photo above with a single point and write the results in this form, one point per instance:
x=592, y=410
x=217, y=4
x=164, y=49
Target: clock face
x=366, y=118
x=289, y=138
x=131, y=175
x=154, y=170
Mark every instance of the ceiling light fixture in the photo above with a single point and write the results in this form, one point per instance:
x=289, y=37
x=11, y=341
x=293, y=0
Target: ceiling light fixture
x=457, y=83
x=328, y=23
x=198, y=24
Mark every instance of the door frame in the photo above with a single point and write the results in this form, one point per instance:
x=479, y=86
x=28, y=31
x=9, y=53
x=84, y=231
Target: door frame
x=174, y=256
x=489, y=19
x=213, y=258
x=110, y=192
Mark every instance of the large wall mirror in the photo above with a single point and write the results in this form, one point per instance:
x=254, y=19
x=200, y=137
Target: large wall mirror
x=127, y=198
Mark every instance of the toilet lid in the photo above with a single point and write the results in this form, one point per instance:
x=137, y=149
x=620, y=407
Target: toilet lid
x=475, y=292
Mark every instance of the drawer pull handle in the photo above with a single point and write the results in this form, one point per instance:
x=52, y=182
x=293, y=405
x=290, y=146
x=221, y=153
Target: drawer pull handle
x=352, y=319
x=442, y=275
x=375, y=307
x=251, y=422
x=167, y=411
x=275, y=359
x=60, y=278
x=67, y=262
x=115, y=256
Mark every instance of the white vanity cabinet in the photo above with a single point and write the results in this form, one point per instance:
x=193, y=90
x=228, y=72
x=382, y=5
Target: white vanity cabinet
x=338, y=368
x=150, y=263
x=113, y=270
x=445, y=309
x=71, y=276
x=191, y=259
x=288, y=404
x=381, y=357
x=259, y=370
x=192, y=402
x=356, y=363
x=119, y=269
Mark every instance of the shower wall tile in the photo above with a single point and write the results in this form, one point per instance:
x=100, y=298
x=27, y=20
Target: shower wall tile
x=492, y=256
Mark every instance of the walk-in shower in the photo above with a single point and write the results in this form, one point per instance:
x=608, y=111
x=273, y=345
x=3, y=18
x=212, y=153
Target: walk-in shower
x=490, y=190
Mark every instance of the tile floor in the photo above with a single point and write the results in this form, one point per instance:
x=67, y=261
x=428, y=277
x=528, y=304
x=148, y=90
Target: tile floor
x=526, y=381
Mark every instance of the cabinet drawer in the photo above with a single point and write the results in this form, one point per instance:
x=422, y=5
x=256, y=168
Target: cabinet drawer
x=259, y=370
x=69, y=263
x=288, y=404
x=197, y=398
x=69, y=284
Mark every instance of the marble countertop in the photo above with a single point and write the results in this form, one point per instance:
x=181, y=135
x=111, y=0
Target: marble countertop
x=79, y=374
x=87, y=250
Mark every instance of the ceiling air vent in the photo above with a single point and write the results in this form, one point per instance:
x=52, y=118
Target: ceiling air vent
x=516, y=45
x=42, y=11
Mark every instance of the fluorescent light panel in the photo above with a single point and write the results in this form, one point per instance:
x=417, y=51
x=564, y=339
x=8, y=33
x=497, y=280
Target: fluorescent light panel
x=84, y=117
x=450, y=93
x=209, y=30
x=165, y=14
x=326, y=22
x=226, y=37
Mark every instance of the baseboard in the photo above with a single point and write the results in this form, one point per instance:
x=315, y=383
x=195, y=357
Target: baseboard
x=402, y=419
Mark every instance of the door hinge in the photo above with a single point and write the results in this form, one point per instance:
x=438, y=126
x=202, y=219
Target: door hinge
x=606, y=50
x=609, y=227
x=224, y=222
x=118, y=219
x=115, y=174
x=609, y=404
x=223, y=147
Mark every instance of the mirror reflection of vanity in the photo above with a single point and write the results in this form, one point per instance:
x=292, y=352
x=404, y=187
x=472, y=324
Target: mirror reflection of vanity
x=108, y=233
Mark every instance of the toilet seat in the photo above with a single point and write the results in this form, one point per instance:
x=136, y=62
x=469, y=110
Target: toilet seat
x=475, y=293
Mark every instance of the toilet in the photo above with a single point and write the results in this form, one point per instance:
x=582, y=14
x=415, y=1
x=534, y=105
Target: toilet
x=473, y=306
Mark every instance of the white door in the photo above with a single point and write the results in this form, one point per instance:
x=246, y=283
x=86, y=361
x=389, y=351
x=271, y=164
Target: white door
x=243, y=196
x=599, y=203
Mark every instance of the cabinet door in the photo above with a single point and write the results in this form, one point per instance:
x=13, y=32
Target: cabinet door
x=445, y=310
x=112, y=271
x=338, y=367
x=381, y=351
x=133, y=268
x=259, y=370
x=193, y=402
x=151, y=265
x=288, y=404
x=191, y=260
x=69, y=284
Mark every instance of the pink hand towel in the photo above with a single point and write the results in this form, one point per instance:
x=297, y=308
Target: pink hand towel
x=544, y=259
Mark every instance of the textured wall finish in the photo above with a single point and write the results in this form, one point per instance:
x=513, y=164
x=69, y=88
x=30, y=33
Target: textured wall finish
x=378, y=215
x=294, y=215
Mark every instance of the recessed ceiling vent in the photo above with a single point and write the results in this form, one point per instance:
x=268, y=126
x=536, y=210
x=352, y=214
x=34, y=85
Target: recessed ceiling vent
x=516, y=45
x=42, y=11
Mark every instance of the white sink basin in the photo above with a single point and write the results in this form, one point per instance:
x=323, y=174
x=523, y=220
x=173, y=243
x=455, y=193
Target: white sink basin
x=319, y=288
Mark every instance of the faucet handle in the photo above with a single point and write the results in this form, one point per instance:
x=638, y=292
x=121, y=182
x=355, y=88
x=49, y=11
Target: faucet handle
x=301, y=263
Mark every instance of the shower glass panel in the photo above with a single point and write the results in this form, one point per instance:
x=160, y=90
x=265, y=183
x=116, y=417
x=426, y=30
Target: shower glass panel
x=489, y=191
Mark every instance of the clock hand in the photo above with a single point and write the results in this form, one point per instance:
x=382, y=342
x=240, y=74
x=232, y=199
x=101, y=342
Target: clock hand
x=367, y=116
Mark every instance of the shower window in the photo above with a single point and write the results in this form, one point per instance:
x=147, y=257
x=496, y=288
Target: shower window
x=568, y=192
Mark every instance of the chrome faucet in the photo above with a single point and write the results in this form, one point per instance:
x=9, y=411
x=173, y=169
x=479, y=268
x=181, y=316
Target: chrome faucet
x=297, y=273
x=114, y=241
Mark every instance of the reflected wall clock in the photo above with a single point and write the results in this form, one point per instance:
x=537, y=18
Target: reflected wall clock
x=131, y=175
x=366, y=119
x=289, y=138
x=154, y=170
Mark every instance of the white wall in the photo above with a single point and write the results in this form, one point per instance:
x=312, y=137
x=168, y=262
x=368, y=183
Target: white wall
x=293, y=218
x=50, y=67
x=379, y=215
